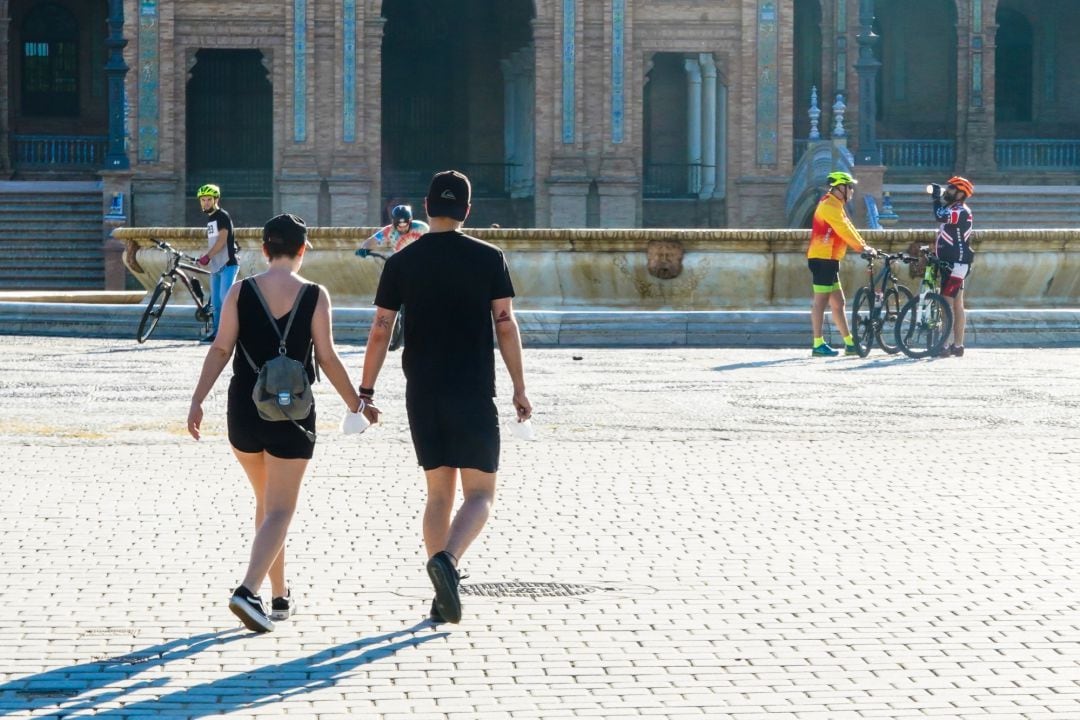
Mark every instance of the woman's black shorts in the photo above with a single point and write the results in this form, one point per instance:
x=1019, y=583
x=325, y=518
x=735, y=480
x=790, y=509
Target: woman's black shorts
x=459, y=432
x=251, y=434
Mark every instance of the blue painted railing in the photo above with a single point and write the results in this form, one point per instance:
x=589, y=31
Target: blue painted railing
x=59, y=150
x=1036, y=154
x=936, y=154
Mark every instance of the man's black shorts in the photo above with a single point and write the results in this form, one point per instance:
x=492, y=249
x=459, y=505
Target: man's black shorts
x=826, y=273
x=460, y=432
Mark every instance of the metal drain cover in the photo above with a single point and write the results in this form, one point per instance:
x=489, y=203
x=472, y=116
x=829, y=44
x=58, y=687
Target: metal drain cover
x=526, y=589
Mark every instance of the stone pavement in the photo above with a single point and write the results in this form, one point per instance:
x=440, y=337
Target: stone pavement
x=731, y=534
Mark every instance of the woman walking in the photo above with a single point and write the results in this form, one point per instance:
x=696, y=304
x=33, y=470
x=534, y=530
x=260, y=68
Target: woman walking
x=273, y=454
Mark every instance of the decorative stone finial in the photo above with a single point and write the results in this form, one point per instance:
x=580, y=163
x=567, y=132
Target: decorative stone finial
x=815, y=114
x=838, y=109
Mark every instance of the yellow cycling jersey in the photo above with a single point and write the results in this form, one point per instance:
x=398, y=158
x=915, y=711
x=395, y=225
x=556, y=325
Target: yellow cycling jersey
x=832, y=232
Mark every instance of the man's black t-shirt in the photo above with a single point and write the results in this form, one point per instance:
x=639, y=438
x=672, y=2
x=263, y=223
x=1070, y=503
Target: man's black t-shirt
x=216, y=222
x=447, y=281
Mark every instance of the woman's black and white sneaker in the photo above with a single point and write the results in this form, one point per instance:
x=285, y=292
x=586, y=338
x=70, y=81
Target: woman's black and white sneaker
x=248, y=606
x=282, y=608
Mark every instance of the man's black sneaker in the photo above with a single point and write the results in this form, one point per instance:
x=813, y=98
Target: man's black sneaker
x=248, y=606
x=956, y=350
x=434, y=616
x=282, y=608
x=444, y=577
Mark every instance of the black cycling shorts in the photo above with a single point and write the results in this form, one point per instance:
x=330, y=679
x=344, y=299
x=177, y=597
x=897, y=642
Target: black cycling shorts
x=457, y=432
x=825, y=273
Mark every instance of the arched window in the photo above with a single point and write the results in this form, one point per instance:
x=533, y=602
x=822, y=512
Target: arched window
x=50, y=62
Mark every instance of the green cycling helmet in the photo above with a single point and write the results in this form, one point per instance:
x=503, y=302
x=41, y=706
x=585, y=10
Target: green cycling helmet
x=841, y=178
x=209, y=190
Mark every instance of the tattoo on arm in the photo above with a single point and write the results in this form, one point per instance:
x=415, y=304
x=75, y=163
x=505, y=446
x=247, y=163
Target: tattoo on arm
x=503, y=317
x=383, y=322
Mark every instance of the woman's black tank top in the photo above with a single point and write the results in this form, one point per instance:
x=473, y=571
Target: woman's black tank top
x=260, y=340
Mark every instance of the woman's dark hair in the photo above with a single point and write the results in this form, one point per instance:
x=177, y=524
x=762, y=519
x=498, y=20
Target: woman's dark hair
x=284, y=235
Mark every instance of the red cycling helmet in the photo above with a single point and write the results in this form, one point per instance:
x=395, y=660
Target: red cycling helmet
x=962, y=184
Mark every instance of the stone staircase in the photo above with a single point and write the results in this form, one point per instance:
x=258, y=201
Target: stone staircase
x=51, y=236
x=998, y=207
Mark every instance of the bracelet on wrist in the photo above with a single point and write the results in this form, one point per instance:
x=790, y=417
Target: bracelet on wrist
x=369, y=392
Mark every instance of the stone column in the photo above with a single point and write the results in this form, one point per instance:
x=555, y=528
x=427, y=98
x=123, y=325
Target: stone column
x=708, y=125
x=976, y=31
x=5, y=106
x=350, y=201
x=721, y=141
x=693, y=121
x=116, y=69
x=116, y=212
x=299, y=182
x=545, y=104
x=867, y=68
x=619, y=190
x=349, y=183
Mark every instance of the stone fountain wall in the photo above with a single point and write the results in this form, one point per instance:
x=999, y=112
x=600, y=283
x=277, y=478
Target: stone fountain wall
x=661, y=269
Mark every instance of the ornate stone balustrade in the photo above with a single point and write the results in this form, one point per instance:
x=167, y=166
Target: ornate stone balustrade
x=690, y=269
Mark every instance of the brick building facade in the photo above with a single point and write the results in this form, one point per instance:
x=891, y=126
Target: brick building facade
x=567, y=113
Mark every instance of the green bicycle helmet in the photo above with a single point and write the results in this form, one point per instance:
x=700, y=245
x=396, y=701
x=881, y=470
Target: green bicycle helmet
x=209, y=190
x=841, y=178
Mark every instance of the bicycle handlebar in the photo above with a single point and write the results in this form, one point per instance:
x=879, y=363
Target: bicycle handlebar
x=166, y=247
x=890, y=257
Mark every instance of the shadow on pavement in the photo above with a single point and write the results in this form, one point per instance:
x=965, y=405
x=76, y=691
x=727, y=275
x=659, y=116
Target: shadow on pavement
x=255, y=688
x=763, y=363
x=66, y=684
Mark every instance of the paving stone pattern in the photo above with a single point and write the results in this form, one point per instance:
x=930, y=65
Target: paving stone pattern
x=754, y=535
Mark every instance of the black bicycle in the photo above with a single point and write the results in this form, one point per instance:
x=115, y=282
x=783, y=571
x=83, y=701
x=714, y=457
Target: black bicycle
x=397, y=334
x=877, y=306
x=926, y=320
x=182, y=268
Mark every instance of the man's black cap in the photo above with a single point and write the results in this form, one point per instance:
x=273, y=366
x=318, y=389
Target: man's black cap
x=449, y=195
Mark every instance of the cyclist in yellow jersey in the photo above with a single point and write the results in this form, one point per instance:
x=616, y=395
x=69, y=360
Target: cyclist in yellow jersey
x=831, y=235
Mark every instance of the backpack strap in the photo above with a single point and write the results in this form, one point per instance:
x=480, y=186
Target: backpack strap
x=282, y=337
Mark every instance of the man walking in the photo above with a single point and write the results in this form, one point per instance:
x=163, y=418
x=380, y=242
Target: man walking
x=220, y=253
x=455, y=286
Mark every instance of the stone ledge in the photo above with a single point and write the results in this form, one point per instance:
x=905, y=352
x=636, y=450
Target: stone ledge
x=720, y=329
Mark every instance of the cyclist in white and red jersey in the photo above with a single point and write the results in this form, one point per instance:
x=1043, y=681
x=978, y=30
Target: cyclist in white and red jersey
x=953, y=245
x=401, y=231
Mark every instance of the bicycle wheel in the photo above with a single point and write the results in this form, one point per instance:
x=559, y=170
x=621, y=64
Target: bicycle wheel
x=153, y=311
x=894, y=300
x=923, y=325
x=862, y=322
